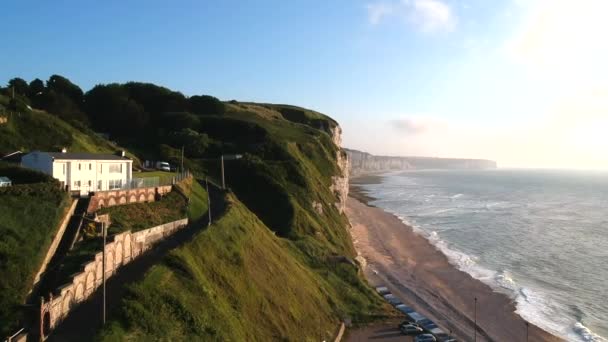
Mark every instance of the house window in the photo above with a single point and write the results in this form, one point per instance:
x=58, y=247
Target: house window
x=89, y=183
x=63, y=168
x=100, y=168
x=78, y=166
x=77, y=184
x=115, y=168
x=115, y=184
x=90, y=166
x=98, y=185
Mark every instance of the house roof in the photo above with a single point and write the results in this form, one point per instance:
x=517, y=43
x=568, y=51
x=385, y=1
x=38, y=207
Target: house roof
x=85, y=156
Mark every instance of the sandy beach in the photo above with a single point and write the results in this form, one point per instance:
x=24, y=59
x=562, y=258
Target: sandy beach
x=422, y=277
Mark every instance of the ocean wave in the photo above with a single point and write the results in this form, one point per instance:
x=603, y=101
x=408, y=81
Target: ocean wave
x=586, y=334
x=532, y=305
x=457, y=196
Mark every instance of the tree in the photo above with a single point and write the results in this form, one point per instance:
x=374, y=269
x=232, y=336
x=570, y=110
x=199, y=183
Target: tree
x=19, y=85
x=62, y=85
x=36, y=87
x=206, y=105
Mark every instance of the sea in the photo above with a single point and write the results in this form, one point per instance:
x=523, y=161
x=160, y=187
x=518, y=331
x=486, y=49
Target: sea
x=538, y=236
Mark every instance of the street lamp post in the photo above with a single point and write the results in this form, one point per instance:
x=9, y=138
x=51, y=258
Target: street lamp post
x=208, y=201
x=228, y=157
x=104, y=235
x=475, y=317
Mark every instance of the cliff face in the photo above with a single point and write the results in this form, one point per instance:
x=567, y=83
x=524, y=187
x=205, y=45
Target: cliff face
x=340, y=182
x=363, y=163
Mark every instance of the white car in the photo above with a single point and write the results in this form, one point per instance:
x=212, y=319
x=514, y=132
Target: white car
x=410, y=329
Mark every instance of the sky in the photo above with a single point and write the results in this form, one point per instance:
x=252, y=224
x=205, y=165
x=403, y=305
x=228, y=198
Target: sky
x=522, y=82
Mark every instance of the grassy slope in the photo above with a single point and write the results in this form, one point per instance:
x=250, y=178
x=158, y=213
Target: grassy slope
x=238, y=280
x=38, y=130
x=139, y=216
x=235, y=281
x=28, y=222
x=134, y=217
x=29, y=217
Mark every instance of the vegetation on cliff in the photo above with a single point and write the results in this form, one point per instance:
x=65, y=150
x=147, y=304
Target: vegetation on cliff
x=237, y=281
x=30, y=212
x=283, y=240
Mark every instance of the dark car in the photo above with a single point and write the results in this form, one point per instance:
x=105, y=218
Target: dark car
x=404, y=308
x=425, y=338
x=428, y=324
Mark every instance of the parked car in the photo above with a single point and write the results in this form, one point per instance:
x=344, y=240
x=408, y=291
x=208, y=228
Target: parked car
x=416, y=317
x=163, y=166
x=428, y=324
x=411, y=329
x=425, y=338
x=382, y=290
x=444, y=337
x=408, y=322
x=404, y=309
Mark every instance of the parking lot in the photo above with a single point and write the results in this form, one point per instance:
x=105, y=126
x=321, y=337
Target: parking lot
x=384, y=332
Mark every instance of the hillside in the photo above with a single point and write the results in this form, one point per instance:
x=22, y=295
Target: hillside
x=363, y=162
x=285, y=227
x=30, y=212
x=222, y=286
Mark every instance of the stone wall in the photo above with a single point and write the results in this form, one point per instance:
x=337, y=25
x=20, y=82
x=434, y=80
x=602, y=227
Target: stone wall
x=123, y=248
x=56, y=240
x=102, y=199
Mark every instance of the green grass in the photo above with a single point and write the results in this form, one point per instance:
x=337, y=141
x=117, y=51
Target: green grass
x=164, y=177
x=237, y=281
x=29, y=218
x=198, y=198
x=139, y=216
x=38, y=130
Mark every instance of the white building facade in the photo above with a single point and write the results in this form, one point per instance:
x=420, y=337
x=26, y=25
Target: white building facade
x=84, y=172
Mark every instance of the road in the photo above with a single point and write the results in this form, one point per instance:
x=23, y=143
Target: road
x=382, y=332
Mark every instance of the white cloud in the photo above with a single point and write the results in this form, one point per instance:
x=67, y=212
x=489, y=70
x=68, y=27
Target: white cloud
x=425, y=15
x=378, y=11
x=431, y=15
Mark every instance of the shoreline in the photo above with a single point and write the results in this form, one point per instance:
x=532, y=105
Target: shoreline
x=422, y=276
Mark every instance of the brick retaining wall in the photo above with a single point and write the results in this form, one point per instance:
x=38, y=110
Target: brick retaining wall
x=102, y=199
x=124, y=247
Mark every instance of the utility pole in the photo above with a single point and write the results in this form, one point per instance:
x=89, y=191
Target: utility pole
x=182, y=166
x=208, y=201
x=223, y=179
x=475, y=331
x=527, y=326
x=103, y=310
x=228, y=157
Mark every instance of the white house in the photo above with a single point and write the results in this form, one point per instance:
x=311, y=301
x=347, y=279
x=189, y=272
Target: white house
x=83, y=171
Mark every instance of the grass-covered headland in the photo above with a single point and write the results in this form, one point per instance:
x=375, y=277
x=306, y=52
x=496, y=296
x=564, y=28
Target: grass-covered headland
x=271, y=267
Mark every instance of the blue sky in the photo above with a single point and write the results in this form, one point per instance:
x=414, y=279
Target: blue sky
x=403, y=77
